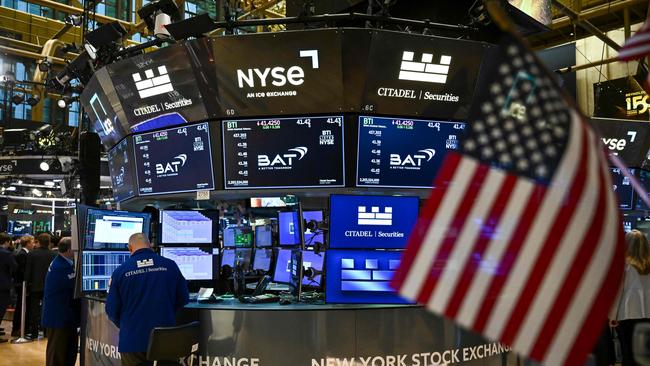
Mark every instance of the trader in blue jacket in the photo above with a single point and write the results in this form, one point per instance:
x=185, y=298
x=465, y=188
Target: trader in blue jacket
x=61, y=311
x=145, y=293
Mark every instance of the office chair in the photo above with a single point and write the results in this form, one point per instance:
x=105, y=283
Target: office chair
x=168, y=345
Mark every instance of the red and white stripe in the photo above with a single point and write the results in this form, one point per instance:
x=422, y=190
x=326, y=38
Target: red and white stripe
x=636, y=46
x=547, y=272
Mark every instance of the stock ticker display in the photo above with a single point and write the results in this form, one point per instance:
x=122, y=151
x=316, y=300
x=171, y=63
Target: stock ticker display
x=403, y=153
x=121, y=167
x=174, y=160
x=284, y=153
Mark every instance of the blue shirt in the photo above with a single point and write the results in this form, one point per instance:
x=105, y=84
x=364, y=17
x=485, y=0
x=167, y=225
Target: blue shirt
x=60, y=309
x=145, y=293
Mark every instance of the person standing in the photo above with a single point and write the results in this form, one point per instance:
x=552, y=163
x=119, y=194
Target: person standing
x=26, y=245
x=61, y=311
x=7, y=268
x=36, y=267
x=634, y=300
x=145, y=292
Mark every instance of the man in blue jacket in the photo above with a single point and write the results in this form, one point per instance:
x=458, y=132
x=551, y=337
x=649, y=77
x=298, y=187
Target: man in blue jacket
x=61, y=311
x=145, y=293
x=7, y=268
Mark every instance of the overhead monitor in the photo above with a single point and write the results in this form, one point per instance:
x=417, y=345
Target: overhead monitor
x=195, y=263
x=284, y=153
x=623, y=188
x=371, y=222
x=174, y=160
x=263, y=260
x=263, y=236
x=238, y=237
x=185, y=227
x=97, y=268
x=121, y=166
x=19, y=227
x=403, y=153
x=111, y=230
x=289, y=227
x=362, y=277
x=644, y=178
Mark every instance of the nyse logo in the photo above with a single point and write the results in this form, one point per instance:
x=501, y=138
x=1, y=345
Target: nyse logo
x=172, y=166
x=618, y=144
x=414, y=160
x=279, y=76
x=425, y=71
x=153, y=85
x=284, y=160
x=374, y=217
x=8, y=167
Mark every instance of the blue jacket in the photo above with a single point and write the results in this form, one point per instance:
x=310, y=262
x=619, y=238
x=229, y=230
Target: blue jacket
x=60, y=309
x=145, y=292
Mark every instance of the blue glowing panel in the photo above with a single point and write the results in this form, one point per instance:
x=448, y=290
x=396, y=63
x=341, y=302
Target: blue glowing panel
x=361, y=277
x=282, y=272
x=262, y=260
x=289, y=228
x=403, y=153
x=263, y=236
x=371, y=222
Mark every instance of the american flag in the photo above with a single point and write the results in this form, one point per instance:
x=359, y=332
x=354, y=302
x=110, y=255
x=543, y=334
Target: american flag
x=521, y=239
x=636, y=47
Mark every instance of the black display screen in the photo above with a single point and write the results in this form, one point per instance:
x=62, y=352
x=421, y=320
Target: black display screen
x=403, y=152
x=623, y=188
x=174, y=160
x=122, y=170
x=284, y=153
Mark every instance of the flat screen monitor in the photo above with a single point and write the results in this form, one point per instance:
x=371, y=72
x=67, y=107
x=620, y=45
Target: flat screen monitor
x=282, y=269
x=229, y=257
x=289, y=228
x=644, y=178
x=111, y=230
x=362, y=277
x=121, y=166
x=403, y=153
x=174, y=160
x=237, y=237
x=185, y=227
x=195, y=263
x=262, y=260
x=261, y=202
x=623, y=188
x=263, y=236
x=97, y=268
x=371, y=222
x=284, y=153
x=313, y=264
x=19, y=227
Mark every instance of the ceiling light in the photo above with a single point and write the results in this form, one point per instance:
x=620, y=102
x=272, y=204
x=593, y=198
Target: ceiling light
x=45, y=65
x=33, y=100
x=44, y=166
x=37, y=192
x=49, y=183
x=17, y=99
x=20, y=181
x=61, y=103
x=11, y=189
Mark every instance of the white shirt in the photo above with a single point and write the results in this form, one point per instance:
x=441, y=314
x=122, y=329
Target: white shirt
x=634, y=302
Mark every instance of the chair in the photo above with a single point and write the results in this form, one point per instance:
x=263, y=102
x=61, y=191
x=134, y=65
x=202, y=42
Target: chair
x=168, y=344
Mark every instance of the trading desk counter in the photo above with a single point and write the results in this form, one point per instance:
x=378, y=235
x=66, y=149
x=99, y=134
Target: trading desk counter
x=236, y=334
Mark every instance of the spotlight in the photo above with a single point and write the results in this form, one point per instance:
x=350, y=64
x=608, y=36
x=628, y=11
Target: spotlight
x=158, y=14
x=73, y=19
x=17, y=99
x=11, y=189
x=37, y=192
x=19, y=182
x=44, y=65
x=33, y=100
x=49, y=183
x=64, y=102
x=44, y=166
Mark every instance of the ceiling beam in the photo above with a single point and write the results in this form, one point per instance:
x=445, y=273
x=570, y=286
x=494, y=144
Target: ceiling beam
x=596, y=11
x=75, y=10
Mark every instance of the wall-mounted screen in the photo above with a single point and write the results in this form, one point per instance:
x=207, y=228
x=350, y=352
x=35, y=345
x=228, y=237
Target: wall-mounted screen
x=19, y=227
x=111, y=230
x=174, y=160
x=623, y=188
x=121, y=166
x=371, y=222
x=185, y=227
x=403, y=153
x=284, y=153
x=362, y=277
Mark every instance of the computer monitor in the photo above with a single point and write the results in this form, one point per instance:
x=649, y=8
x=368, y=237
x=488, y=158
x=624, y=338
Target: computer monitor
x=195, y=263
x=111, y=230
x=313, y=265
x=263, y=236
x=289, y=228
x=282, y=269
x=97, y=268
x=185, y=227
x=313, y=236
x=19, y=227
x=262, y=260
x=243, y=255
x=238, y=237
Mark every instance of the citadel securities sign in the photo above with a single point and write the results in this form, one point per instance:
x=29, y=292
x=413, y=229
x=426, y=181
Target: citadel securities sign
x=264, y=74
x=428, y=76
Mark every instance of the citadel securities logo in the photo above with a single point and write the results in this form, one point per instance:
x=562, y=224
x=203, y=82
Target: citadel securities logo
x=151, y=84
x=374, y=217
x=284, y=161
x=412, y=161
x=145, y=263
x=276, y=76
x=172, y=166
x=425, y=71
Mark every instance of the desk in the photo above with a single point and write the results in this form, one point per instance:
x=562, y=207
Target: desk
x=236, y=334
